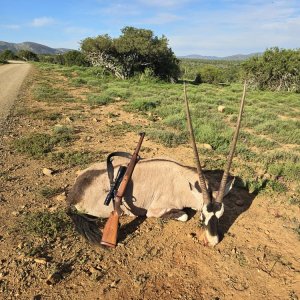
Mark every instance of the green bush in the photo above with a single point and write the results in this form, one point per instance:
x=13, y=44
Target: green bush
x=35, y=145
x=46, y=224
x=143, y=104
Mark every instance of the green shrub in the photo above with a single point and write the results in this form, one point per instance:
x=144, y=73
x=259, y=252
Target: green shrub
x=143, y=104
x=75, y=158
x=49, y=192
x=35, y=145
x=102, y=99
x=46, y=224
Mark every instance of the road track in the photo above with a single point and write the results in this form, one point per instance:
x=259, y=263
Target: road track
x=12, y=76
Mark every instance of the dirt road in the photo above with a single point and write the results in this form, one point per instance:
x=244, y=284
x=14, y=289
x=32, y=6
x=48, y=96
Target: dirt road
x=11, y=78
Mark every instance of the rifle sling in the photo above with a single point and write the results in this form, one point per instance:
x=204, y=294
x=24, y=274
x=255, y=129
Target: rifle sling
x=110, y=167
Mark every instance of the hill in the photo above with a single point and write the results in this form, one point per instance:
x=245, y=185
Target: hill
x=33, y=47
x=231, y=57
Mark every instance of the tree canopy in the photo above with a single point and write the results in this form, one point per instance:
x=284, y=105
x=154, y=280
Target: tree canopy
x=133, y=52
x=7, y=55
x=277, y=69
x=76, y=58
x=27, y=55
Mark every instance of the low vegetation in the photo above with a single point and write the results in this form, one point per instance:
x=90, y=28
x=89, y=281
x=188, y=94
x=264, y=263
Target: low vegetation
x=46, y=224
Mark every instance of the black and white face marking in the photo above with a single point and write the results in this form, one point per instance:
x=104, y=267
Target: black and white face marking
x=211, y=213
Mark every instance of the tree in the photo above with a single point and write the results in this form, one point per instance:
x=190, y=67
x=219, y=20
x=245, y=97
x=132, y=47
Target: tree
x=133, y=52
x=27, y=55
x=75, y=57
x=7, y=55
x=211, y=74
x=277, y=69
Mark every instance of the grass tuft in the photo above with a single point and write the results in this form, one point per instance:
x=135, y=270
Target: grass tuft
x=46, y=224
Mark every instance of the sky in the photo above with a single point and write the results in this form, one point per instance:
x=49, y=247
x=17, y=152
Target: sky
x=216, y=27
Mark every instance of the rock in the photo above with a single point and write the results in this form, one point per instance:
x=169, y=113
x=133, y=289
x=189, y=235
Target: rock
x=95, y=120
x=15, y=213
x=53, y=278
x=69, y=119
x=267, y=176
x=221, y=108
x=114, y=283
x=61, y=197
x=205, y=146
x=48, y=172
x=41, y=261
x=95, y=274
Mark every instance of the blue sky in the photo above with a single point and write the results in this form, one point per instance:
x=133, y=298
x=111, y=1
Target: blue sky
x=217, y=27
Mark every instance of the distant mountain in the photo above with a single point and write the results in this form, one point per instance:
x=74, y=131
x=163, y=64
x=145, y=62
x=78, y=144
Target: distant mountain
x=33, y=47
x=232, y=57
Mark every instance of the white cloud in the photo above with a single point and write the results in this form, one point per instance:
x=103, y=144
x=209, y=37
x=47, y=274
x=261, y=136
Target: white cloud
x=43, y=21
x=164, y=3
x=12, y=26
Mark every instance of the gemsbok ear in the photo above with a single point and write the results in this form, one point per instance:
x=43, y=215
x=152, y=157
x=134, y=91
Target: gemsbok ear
x=229, y=186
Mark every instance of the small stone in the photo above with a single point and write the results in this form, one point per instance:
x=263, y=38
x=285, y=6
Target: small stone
x=61, y=197
x=41, y=261
x=15, y=213
x=221, y=108
x=69, y=119
x=53, y=278
x=78, y=172
x=205, y=146
x=95, y=274
x=114, y=283
x=267, y=176
x=95, y=120
x=48, y=172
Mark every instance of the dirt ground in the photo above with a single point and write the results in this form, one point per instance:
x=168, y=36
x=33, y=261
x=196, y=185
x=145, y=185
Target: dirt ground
x=258, y=257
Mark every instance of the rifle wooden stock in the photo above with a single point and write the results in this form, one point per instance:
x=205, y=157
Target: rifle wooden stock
x=110, y=231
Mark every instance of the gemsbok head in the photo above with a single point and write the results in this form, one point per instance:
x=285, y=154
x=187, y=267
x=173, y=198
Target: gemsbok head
x=159, y=187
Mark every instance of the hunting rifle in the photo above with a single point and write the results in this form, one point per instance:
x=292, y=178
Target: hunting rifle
x=110, y=231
